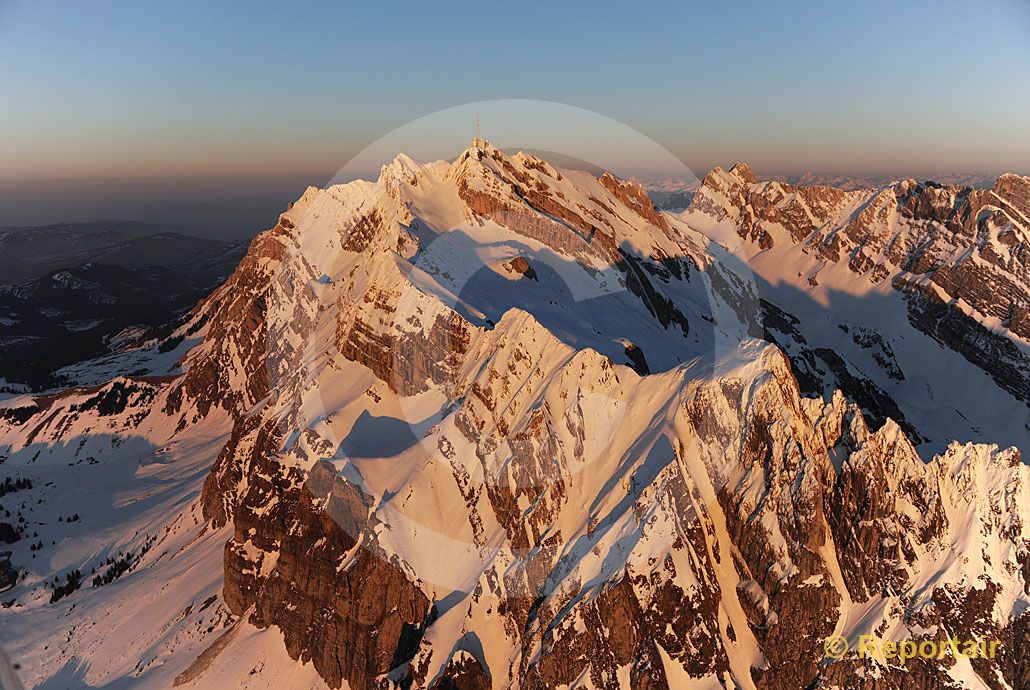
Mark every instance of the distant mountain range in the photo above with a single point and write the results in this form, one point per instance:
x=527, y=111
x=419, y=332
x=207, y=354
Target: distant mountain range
x=30, y=252
x=68, y=290
x=675, y=192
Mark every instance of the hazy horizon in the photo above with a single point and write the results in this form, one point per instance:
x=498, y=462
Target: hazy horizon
x=236, y=208
x=190, y=90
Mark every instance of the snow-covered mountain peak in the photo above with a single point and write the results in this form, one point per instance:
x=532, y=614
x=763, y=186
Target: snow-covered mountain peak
x=493, y=423
x=403, y=168
x=743, y=172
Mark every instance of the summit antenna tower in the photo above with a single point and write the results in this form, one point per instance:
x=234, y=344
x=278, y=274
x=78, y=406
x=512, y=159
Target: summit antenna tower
x=477, y=141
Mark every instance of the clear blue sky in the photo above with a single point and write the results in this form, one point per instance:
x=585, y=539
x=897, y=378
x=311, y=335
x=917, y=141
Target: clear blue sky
x=106, y=88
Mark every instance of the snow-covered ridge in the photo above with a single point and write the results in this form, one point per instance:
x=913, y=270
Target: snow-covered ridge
x=890, y=288
x=946, y=235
